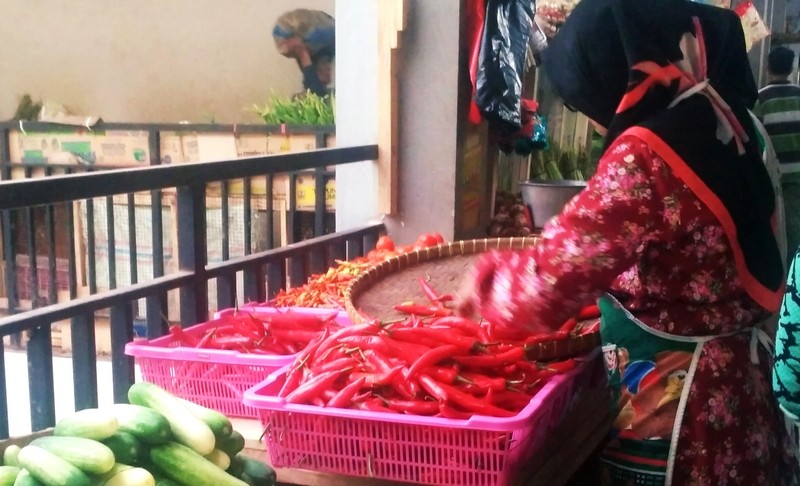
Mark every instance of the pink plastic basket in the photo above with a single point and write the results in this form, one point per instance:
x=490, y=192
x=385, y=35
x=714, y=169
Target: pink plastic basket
x=481, y=451
x=211, y=377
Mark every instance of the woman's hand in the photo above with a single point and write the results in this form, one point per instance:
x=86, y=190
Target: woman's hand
x=495, y=290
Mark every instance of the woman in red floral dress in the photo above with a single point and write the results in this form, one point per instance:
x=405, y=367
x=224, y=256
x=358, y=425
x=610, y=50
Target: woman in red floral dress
x=672, y=236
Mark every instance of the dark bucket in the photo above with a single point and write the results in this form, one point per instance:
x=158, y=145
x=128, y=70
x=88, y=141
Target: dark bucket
x=546, y=199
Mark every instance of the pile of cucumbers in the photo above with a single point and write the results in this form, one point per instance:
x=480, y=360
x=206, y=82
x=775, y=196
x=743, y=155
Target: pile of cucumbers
x=156, y=440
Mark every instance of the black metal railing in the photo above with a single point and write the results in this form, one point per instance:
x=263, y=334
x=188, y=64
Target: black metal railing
x=46, y=208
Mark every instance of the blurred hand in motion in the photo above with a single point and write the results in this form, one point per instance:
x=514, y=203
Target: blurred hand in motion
x=496, y=290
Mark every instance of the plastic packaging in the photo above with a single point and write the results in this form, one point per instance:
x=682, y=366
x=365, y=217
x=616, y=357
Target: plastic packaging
x=755, y=29
x=504, y=46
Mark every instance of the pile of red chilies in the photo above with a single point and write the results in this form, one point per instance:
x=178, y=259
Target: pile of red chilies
x=442, y=366
x=280, y=333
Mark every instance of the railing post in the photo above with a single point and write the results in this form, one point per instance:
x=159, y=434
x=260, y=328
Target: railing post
x=320, y=206
x=192, y=252
x=9, y=229
x=156, y=305
x=40, y=377
x=122, y=368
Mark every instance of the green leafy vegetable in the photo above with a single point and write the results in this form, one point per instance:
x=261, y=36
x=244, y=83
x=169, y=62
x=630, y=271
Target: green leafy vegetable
x=306, y=109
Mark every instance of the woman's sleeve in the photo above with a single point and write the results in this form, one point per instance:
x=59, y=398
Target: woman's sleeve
x=786, y=376
x=599, y=234
x=312, y=82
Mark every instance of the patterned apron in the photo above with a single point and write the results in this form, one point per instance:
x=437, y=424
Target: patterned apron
x=650, y=374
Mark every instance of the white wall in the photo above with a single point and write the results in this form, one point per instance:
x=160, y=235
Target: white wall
x=146, y=60
x=428, y=105
x=356, y=109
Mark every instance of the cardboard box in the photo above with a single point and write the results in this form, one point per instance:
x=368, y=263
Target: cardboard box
x=80, y=146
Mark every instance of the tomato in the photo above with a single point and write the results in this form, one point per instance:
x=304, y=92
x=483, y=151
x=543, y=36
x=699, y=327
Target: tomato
x=439, y=238
x=385, y=243
x=426, y=240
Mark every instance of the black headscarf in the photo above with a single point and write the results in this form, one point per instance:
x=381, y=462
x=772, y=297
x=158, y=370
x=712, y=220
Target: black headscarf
x=621, y=63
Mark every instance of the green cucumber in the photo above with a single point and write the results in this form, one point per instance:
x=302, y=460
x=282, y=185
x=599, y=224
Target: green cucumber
x=10, y=455
x=231, y=445
x=219, y=458
x=236, y=468
x=247, y=479
x=126, y=448
x=24, y=478
x=146, y=424
x=135, y=476
x=161, y=481
x=259, y=472
x=186, y=427
x=217, y=422
x=87, y=455
x=91, y=423
x=189, y=468
x=100, y=480
x=8, y=475
x=50, y=469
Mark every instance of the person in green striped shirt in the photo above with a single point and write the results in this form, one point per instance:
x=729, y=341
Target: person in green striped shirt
x=778, y=108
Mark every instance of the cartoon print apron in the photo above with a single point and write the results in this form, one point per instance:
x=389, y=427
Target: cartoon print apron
x=650, y=374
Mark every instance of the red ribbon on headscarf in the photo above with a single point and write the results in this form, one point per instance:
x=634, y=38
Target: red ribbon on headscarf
x=689, y=84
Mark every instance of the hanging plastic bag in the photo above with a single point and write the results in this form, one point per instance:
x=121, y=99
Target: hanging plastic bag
x=316, y=28
x=755, y=30
x=504, y=46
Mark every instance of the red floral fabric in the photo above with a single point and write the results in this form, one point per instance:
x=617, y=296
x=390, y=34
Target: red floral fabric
x=640, y=233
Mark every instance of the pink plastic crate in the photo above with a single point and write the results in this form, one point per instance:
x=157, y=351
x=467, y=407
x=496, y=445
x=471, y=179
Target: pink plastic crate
x=481, y=451
x=211, y=377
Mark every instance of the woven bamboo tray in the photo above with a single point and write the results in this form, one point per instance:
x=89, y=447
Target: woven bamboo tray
x=374, y=293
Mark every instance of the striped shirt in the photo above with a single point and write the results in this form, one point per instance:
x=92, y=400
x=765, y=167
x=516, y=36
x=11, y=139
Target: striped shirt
x=778, y=108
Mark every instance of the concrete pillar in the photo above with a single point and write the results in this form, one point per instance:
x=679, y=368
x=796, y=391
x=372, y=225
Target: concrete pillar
x=429, y=64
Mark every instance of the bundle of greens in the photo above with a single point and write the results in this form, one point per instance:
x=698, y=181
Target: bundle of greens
x=558, y=163
x=306, y=109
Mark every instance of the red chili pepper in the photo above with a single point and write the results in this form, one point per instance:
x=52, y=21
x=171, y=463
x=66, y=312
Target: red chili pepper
x=497, y=360
x=292, y=379
x=334, y=365
x=541, y=338
x=182, y=336
x=247, y=324
x=408, y=352
x=335, y=338
x=295, y=335
x=328, y=394
x=416, y=407
x=451, y=413
x=317, y=401
x=365, y=342
x=588, y=312
x=344, y=397
x=433, y=357
x=378, y=361
x=205, y=341
x=423, y=310
x=439, y=336
x=431, y=294
x=443, y=374
x=448, y=393
x=558, y=367
x=376, y=379
x=374, y=405
x=511, y=399
x=231, y=342
x=483, y=382
x=313, y=387
x=568, y=326
x=463, y=324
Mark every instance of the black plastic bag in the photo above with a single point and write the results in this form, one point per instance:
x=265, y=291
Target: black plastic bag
x=504, y=46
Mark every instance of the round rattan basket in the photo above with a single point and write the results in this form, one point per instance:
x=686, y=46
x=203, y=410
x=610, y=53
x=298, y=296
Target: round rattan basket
x=375, y=292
